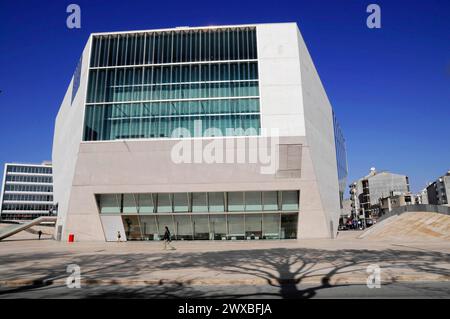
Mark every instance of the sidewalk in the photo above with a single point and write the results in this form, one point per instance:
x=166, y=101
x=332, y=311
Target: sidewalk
x=321, y=262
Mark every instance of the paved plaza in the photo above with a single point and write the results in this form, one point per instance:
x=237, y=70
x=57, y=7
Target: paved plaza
x=283, y=265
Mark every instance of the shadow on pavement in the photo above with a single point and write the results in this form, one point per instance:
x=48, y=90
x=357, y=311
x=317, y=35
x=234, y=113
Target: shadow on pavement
x=282, y=268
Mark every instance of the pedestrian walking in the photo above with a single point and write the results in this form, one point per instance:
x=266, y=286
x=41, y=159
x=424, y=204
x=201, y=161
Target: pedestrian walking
x=118, y=236
x=167, y=239
x=40, y=234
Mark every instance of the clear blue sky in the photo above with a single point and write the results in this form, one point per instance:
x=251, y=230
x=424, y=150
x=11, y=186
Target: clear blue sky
x=389, y=87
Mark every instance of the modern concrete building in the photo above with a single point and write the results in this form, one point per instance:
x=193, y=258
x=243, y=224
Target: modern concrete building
x=220, y=96
x=438, y=192
x=367, y=191
x=27, y=191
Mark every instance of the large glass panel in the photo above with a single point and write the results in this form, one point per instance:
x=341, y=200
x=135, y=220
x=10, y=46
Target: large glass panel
x=183, y=227
x=236, y=226
x=218, y=226
x=216, y=202
x=270, y=200
x=180, y=202
x=200, y=225
x=253, y=201
x=289, y=200
x=253, y=226
x=164, y=203
x=271, y=226
x=289, y=226
x=132, y=227
x=109, y=204
x=236, y=202
x=199, y=202
x=129, y=204
x=146, y=204
x=149, y=227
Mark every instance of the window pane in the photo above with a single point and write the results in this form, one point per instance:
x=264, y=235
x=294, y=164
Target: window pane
x=132, y=227
x=109, y=204
x=183, y=227
x=236, y=201
x=289, y=200
x=289, y=226
x=253, y=226
x=180, y=202
x=199, y=202
x=149, y=227
x=164, y=203
x=271, y=226
x=253, y=201
x=200, y=225
x=218, y=226
x=145, y=203
x=270, y=200
x=216, y=202
x=129, y=203
x=236, y=226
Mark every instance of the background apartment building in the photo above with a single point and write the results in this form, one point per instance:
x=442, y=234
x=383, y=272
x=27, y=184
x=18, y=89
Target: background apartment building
x=438, y=192
x=366, y=192
x=27, y=191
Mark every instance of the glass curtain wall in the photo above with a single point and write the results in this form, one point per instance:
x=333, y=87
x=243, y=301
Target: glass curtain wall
x=145, y=85
x=203, y=216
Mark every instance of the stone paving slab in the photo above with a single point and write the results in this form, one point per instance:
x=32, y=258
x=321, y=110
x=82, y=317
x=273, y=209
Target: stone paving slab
x=344, y=260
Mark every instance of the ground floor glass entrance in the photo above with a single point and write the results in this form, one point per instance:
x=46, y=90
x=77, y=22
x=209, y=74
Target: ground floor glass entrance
x=253, y=226
x=250, y=215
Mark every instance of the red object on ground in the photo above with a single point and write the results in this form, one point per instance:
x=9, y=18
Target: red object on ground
x=71, y=238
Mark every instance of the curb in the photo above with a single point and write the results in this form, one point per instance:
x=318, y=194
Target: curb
x=222, y=282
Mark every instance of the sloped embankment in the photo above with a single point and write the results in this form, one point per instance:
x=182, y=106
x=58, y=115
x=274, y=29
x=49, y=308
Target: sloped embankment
x=411, y=225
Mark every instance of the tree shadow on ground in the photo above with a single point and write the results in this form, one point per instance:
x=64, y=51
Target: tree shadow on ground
x=285, y=270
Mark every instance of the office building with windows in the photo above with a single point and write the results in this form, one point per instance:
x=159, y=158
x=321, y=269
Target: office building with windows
x=221, y=96
x=27, y=191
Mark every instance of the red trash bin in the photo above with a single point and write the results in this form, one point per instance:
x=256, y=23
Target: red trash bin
x=71, y=238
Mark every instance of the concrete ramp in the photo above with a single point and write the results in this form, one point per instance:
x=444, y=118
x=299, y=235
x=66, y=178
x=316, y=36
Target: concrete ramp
x=411, y=225
x=15, y=228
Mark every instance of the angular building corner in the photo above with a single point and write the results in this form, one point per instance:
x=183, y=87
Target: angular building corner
x=112, y=165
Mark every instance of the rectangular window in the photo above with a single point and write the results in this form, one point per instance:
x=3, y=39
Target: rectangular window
x=180, y=202
x=218, y=226
x=109, y=204
x=164, y=203
x=270, y=201
x=199, y=202
x=289, y=200
x=129, y=204
x=236, y=226
x=146, y=204
x=236, y=202
x=216, y=202
x=253, y=201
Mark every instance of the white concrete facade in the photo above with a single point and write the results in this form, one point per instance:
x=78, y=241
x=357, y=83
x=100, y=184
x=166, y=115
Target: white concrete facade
x=292, y=100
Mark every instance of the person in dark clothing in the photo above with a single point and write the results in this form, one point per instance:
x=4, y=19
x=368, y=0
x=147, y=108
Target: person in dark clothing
x=40, y=234
x=167, y=239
